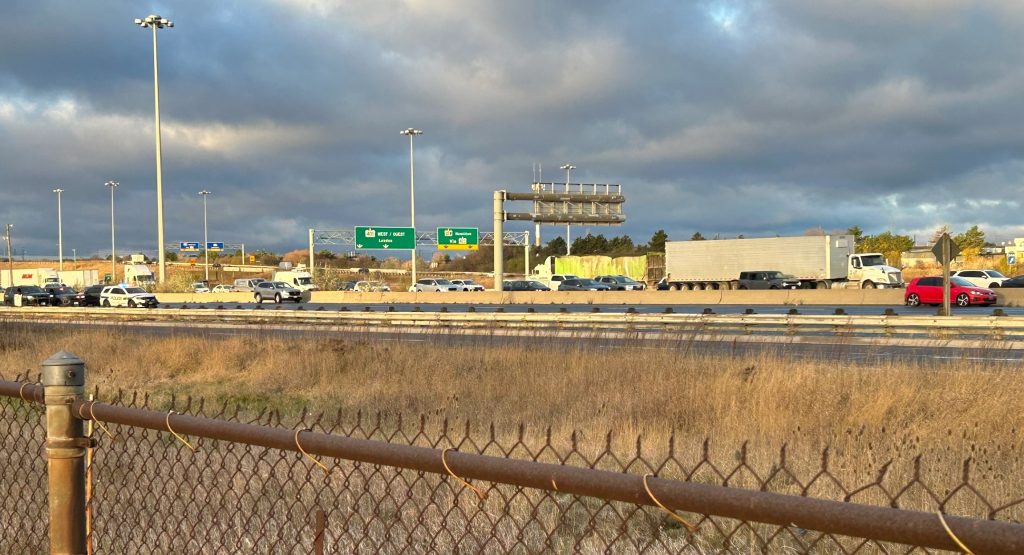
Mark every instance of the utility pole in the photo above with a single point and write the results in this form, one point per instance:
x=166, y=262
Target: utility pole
x=10, y=255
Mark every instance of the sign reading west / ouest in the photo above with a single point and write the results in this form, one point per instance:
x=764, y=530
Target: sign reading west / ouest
x=458, y=239
x=214, y=246
x=370, y=237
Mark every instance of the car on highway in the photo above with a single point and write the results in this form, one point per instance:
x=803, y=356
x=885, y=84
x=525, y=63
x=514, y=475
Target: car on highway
x=982, y=278
x=663, y=285
x=621, y=283
x=126, y=295
x=766, y=279
x=277, y=291
x=371, y=287
x=61, y=295
x=90, y=296
x=467, y=285
x=928, y=290
x=223, y=288
x=29, y=295
x=1016, y=281
x=348, y=286
x=524, y=285
x=433, y=284
x=582, y=284
x=246, y=284
x=199, y=287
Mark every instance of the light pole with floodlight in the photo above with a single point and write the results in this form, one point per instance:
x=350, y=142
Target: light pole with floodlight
x=410, y=132
x=113, y=247
x=60, y=233
x=10, y=254
x=156, y=22
x=206, y=241
x=568, y=168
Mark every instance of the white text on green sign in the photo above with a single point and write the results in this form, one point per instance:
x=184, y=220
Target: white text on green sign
x=370, y=237
x=458, y=239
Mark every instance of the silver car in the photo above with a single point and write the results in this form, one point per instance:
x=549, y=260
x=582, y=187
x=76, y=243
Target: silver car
x=433, y=284
x=277, y=291
x=467, y=285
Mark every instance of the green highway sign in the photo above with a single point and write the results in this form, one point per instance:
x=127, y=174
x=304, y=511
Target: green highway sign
x=398, y=238
x=458, y=239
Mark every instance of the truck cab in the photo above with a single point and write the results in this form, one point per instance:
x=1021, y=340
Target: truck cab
x=871, y=271
x=299, y=279
x=139, y=275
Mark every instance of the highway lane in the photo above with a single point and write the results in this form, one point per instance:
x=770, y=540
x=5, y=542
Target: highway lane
x=846, y=350
x=860, y=310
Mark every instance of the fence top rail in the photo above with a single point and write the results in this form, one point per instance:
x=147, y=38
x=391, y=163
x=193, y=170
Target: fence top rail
x=865, y=521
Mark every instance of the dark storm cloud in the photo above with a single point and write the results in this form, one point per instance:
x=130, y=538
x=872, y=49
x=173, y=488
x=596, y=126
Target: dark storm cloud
x=724, y=117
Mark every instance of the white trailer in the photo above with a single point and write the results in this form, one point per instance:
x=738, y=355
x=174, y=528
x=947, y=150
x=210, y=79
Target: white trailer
x=818, y=262
x=79, y=278
x=29, y=276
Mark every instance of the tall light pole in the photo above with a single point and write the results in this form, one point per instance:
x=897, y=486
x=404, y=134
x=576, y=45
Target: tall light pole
x=206, y=241
x=156, y=22
x=113, y=247
x=10, y=254
x=60, y=233
x=74, y=254
x=568, y=244
x=410, y=132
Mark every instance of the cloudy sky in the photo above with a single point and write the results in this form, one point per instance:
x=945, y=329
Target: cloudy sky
x=719, y=116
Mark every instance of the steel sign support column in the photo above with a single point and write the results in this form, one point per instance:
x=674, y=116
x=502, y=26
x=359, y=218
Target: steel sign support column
x=499, y=219
x=526, y=251
x=64, y=383
x=310, y=253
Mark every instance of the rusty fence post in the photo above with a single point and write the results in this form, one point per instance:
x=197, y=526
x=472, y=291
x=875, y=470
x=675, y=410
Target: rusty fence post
x=64, y=383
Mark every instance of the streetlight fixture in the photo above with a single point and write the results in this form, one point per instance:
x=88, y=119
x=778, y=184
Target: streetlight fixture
x=410, y=132
x=60, y=233
x=568, y=244
x=206, y=241
x=156, y=22
x=113, y=250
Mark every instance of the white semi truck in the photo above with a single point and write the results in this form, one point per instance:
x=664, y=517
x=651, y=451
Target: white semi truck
x=818, y=262
x=29, y=276
x=79, y=278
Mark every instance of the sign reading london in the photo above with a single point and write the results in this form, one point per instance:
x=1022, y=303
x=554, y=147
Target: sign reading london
x=458, y=239
x=400, y=238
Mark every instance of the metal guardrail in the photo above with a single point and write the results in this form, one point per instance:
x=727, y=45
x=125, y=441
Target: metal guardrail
x=988, y=327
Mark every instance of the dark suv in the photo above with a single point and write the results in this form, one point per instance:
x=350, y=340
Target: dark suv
x=61, y=295
x=767, y=279
x=90, y=296
x=30, y=295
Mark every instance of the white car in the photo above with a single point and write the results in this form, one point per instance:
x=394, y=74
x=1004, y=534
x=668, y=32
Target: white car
x=223, y=288
x=125, y=295
x=199, y=287
x=467, y=285
x=982, y=278
x=432, y=284
x=371, y=287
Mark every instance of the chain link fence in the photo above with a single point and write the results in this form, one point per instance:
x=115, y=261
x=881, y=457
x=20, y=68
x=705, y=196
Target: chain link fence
x=162, y=490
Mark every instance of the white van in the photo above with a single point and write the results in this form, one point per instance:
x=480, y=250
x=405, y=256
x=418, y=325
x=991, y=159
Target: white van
x=246, y=284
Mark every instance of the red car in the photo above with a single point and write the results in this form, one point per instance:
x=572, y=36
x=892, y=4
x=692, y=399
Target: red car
x=928, y=290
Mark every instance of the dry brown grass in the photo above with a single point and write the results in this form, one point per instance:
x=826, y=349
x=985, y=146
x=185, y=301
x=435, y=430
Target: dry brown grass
x=635, y=390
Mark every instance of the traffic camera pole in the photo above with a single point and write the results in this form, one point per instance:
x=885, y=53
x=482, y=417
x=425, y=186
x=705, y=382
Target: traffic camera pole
x=63, y=384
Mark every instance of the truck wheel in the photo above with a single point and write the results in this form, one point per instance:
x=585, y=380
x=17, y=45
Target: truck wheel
x=822, y=285
x=277, y=298
x=868, y=285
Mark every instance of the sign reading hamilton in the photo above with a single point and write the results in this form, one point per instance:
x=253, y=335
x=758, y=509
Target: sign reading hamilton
x=400, y=238
x=458, y=239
